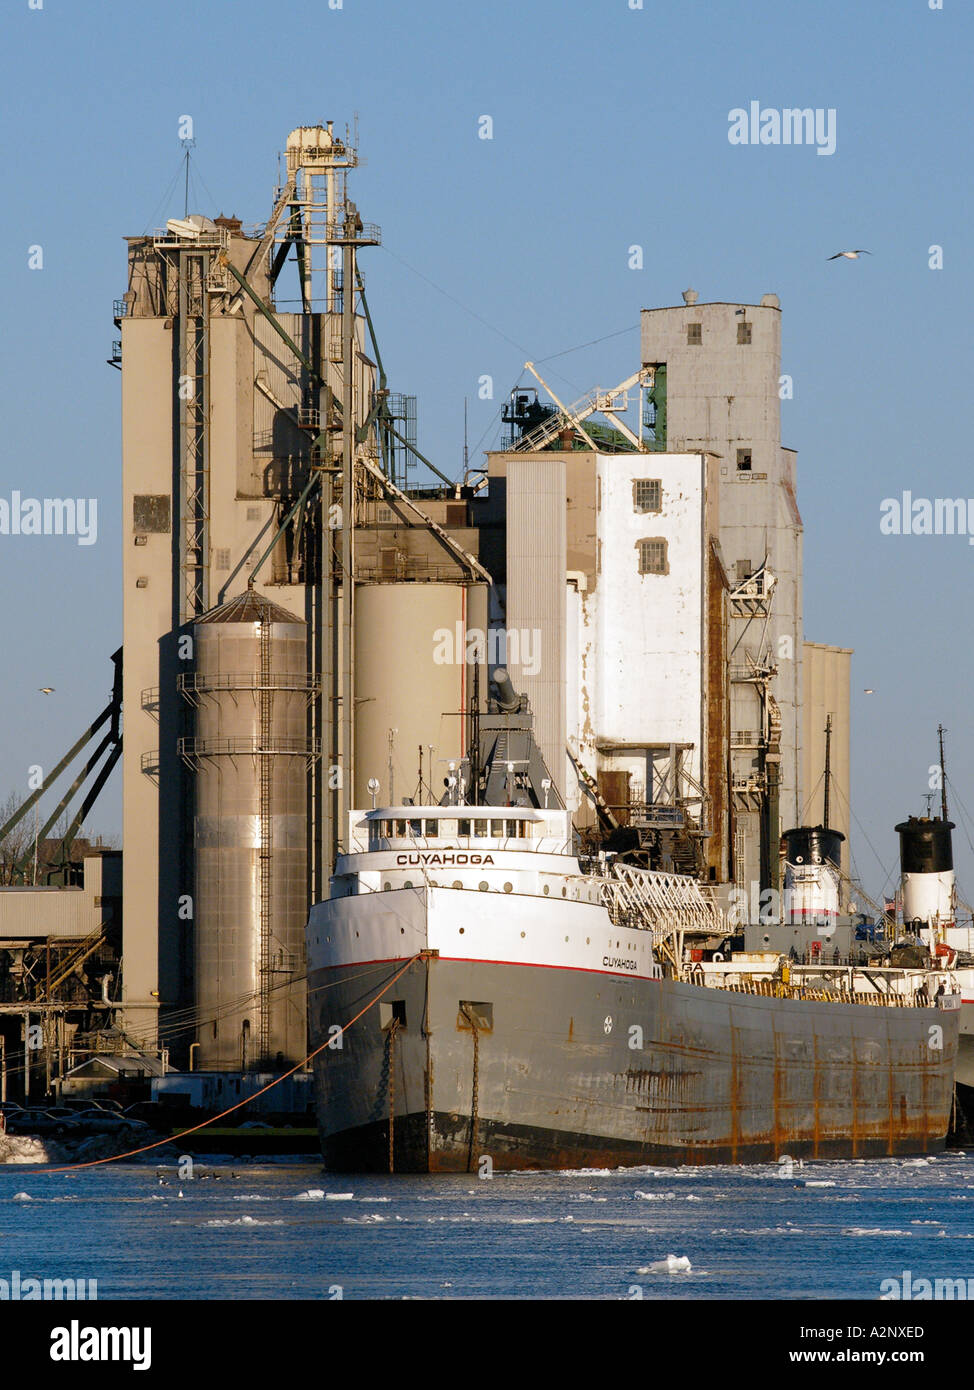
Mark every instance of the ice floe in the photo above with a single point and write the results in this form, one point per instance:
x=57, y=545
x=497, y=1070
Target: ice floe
x=673, y=1264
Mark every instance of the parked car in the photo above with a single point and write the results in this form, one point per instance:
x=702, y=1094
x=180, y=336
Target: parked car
x=10, y=1107
x=151, y=1111
x=42, y=1123
x=104, y=1122
x=112, y=1107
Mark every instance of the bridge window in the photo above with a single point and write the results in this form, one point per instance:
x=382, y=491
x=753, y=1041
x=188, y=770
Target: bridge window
x=512, y=829
x=464, y=827
x=480, y=827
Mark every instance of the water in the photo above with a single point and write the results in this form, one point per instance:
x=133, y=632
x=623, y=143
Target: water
x=287, y=1230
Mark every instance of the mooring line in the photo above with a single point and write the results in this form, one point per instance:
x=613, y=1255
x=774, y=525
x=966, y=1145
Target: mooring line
x=175, y=1138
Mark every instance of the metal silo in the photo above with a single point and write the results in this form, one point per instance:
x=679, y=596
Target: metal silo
x=250, y=753
x=412, y=680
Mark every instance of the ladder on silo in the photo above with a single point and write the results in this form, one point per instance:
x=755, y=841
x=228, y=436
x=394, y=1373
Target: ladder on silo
x=265, y=767
x=193, y=414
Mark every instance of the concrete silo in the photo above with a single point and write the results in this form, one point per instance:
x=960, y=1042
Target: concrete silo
x=250, y=753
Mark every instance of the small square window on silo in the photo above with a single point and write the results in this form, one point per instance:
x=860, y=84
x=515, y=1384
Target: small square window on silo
x=694, y=334
x=744, y=333
x=647, y=495
x=150, y=512
x=652, y=556
x=223, y=558
x=744, y=460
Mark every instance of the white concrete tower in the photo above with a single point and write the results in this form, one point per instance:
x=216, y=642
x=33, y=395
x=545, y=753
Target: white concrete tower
x=719, y=393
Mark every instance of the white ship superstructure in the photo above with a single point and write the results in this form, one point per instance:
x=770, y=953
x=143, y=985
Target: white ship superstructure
x=495, y=884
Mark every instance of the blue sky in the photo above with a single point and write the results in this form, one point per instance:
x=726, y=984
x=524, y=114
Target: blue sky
x=609, y=129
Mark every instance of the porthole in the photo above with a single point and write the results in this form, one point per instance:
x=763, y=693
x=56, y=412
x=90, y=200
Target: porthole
x=408, y=883
x=508, y=887
x=564, y=892
x=546, y=890
x=386, y=887
x=402, y=931
x=522, y=933
x=461, y=931
x=483, y=885
x=457, y=883
x=587, y=942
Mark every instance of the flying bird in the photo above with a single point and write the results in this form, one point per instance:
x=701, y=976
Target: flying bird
x=849, y=255
x=869, y=692
x=46, y=690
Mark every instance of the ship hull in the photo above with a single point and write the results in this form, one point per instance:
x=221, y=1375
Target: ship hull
x=965, y=1047
x=486, y=1065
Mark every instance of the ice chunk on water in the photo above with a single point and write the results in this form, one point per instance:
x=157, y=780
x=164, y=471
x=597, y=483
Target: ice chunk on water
x=243, y=1221
x=673, y=1264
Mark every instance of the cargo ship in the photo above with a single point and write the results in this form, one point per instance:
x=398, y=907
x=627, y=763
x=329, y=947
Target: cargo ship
x=547, y=1012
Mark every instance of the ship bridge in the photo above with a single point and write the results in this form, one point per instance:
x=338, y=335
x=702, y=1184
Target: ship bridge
x=461, y=826
x=504, y=848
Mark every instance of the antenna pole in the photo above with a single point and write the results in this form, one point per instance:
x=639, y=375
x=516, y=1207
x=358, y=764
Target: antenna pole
x=943, y=773
x=187, y=146
x=828, y=770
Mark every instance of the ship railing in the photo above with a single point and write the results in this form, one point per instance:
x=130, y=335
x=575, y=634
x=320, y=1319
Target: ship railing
x=774, y=988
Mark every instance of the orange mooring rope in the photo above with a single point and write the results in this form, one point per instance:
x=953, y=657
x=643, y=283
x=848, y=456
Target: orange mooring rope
x=173, y=1139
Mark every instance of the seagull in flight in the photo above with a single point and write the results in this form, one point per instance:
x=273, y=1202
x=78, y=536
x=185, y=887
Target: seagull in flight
x=849, y=255
x=46, y=690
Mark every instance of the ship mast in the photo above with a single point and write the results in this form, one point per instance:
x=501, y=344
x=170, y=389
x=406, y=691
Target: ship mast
x=828, y=771
x=943, y=773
